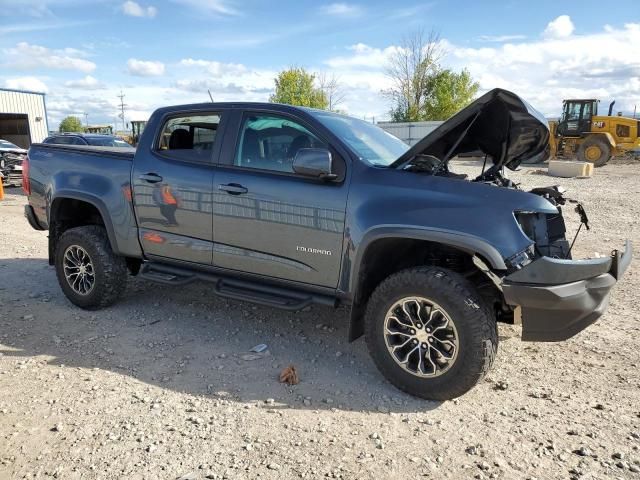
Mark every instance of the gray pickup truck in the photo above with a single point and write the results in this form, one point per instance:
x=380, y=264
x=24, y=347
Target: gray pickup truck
x=288, y=206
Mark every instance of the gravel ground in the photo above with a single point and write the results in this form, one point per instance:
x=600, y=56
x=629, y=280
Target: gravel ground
x=160, y=386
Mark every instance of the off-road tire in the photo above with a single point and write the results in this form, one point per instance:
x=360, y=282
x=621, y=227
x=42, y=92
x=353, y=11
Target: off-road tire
x=601, y=144
x=475, y=324
x=110, y=270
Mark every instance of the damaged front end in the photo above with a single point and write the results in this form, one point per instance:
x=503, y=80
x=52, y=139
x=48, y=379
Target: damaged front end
x=547, y=231
x=558, y=298
x=554, y=296
x=11, y=167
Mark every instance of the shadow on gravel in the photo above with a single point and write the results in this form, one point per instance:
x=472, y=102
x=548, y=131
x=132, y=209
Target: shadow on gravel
x=187, y=340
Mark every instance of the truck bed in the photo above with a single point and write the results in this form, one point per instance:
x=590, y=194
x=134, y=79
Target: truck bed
x=119, y=152
x=100, y=176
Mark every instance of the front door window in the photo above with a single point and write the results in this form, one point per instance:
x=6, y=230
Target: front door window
x=269, y=142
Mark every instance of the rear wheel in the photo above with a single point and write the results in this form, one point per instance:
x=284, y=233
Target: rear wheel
x=429, y=333
x=90, y=274
x=595, y=150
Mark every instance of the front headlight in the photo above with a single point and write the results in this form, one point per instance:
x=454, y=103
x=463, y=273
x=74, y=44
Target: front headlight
x=521, y=259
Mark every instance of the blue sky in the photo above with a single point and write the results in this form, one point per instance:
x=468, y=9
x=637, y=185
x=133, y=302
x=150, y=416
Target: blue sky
x=162, y=52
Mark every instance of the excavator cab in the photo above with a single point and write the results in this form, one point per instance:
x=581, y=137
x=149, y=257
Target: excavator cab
x=576, y=117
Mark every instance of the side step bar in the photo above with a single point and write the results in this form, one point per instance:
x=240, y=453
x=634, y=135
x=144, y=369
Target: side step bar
x=236, y=289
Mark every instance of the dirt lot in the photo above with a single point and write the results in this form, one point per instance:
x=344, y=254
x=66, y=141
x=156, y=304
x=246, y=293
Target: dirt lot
x=160, y=387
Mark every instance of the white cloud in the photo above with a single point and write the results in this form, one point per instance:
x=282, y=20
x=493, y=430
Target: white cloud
x=215, y=7
x=544, y=70
x=31, y=84
x=216, y=69
x=32, y=8
x=134, y=9
x=86, y=83
x=18, y=9
x=342, y=9
x=38, y=25
x=27, y=57
x=500, y=38
x=600, y=65
x=561, y=27
x=363, y=56
x=226, y=81
x=145, y=68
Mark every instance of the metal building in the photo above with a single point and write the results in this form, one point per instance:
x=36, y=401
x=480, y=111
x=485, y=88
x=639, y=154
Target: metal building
x=23, y=117
x=409, y=132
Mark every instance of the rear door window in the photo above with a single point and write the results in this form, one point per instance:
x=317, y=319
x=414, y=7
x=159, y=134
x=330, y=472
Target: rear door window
x=190, y=137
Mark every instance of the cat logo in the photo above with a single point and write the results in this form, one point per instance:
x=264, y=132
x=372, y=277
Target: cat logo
x=599, y=124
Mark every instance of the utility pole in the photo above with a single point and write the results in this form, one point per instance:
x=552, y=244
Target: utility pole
x=86, y=119
x=122, y=105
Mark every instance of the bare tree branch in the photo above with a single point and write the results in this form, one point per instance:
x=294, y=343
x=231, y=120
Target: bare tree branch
x=332, y=88
x=410, y=68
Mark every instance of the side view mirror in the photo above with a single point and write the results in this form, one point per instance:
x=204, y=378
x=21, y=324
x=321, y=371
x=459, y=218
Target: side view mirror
x=315, y=163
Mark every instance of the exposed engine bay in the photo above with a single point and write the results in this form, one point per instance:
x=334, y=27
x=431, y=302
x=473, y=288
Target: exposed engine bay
x=11, y=167
x=548, y=231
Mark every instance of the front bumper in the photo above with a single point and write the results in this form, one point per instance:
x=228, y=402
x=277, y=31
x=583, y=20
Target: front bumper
x=559, y=298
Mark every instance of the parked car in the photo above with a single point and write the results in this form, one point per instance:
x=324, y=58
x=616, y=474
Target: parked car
x=11, y=157
x=92, y=139
x=287, y=206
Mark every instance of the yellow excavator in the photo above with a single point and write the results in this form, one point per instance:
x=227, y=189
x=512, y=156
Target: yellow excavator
x=590, y=137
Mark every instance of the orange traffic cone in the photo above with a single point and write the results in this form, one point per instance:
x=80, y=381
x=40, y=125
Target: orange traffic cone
x=1, y=190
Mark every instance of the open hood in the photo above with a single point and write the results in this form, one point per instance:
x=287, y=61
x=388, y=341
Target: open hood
x=499, y=124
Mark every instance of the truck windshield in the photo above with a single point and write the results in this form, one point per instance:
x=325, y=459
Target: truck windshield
x=371, y=143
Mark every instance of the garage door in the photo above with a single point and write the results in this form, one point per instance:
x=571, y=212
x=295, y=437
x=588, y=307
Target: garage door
x=14, y=127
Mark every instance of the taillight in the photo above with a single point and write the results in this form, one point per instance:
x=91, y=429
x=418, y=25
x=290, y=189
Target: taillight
x=26, y=186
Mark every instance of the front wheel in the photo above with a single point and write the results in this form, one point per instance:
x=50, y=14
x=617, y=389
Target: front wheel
x=89, y=273
x=595, y=150
x=430, y=333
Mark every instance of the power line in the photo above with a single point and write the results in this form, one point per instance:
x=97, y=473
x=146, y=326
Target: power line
x=122, y=105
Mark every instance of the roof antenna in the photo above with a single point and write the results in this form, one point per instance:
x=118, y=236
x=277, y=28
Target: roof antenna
x=210, y=96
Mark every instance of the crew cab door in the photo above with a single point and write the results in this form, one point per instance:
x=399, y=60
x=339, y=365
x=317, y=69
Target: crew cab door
x=267, y=220
x=172, y=184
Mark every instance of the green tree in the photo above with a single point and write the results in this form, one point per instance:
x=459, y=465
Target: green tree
x=420, y=88
x=449, y=92
x=71, y=124
x=296, y=86
x=410, y=68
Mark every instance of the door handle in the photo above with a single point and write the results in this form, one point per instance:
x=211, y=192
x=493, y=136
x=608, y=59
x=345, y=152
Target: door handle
x=233, y=188
x=150, y=177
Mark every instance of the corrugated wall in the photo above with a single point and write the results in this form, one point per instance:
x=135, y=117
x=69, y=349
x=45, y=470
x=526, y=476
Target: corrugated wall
x=409, y=132
x=31, y=104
